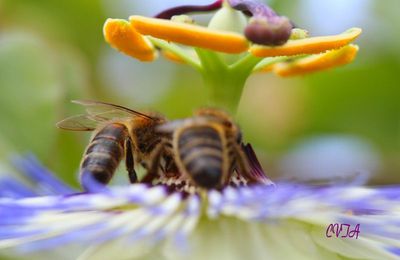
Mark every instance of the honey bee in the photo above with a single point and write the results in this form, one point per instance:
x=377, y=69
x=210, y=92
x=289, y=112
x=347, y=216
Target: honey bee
x=119, y=133
x=207, y=149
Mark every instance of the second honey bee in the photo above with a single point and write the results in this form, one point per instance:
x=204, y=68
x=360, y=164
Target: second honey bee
x=119, y=133
x=207, y=150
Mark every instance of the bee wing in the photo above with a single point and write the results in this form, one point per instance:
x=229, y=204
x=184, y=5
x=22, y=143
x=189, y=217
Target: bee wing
x=89, y=122
x=78, y=123
x=109, y=111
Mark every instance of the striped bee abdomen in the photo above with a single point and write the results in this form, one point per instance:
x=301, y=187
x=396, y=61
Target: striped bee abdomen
x=200, y=151
x=104, y=152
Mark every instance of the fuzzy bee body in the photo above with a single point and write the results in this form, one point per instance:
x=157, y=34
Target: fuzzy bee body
x=207, y=148
x=105, y=151
x=200, y=154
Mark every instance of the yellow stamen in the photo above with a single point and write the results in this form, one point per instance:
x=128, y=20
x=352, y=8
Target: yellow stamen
x=318, y=62
x=189, y=34
x=313, y=45
x=122, y=36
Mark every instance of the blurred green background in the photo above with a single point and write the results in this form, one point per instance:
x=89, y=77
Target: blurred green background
x=334, y=124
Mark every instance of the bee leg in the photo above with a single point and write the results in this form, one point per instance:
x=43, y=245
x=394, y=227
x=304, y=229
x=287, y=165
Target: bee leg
x=243, y=165
x=130, y=162
x=170, y=165
x=152, y=171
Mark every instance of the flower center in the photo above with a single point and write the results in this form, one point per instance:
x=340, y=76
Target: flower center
x=177, y=181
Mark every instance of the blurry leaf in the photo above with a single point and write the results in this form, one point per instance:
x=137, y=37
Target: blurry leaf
x=76, y=22
x=30, y=91
x=36, y=83
x=358, y=100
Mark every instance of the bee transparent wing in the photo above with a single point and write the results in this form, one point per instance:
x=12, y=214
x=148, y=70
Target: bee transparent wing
x=89, y=122
x=98, y=112
x=108, y=115
x=109, y=111
x=78, y=123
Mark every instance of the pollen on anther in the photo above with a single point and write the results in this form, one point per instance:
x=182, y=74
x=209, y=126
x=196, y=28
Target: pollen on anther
x=191, y=35
x=317, y=62
x=122, y=36
x=312, y=45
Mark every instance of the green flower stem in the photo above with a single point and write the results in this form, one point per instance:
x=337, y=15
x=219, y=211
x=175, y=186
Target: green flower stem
x=210, y=61
x=246, y=63
x=225, y=88
x=225, y=85
x=178, y=51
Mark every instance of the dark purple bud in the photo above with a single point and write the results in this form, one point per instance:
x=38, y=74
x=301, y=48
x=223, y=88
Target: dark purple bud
x=184, y=9
x=268, y=32
x=265, y=27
